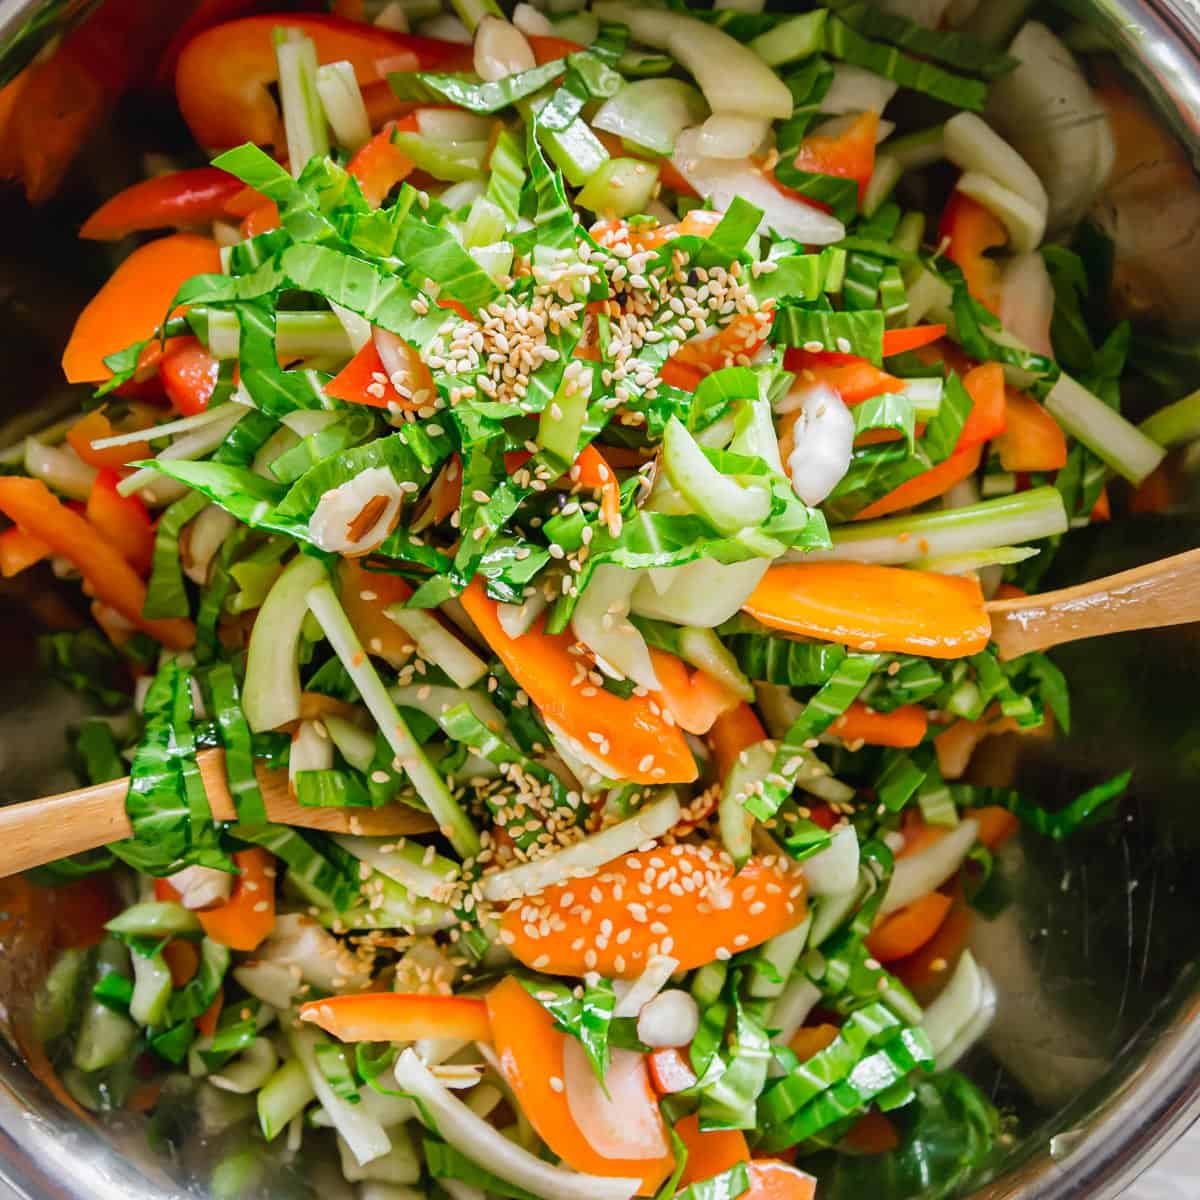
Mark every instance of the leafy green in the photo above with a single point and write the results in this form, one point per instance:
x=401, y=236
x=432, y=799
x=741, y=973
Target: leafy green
x=586, y=1018
x=858, y=333
x=443, y=1161
x=728, y=1185
x=86, y=662
x=226, y=707
x=465, y=91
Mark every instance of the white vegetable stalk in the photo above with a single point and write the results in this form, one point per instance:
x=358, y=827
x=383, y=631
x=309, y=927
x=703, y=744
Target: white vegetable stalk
x=408, y=863
x=446, y=28
x=299, y=943
x=1027, y=301
x=452, y=125
x=303, y=117
x=723, y=179
x=1025, y=225
x=436, y=644
x=271, y=982
x=632, y=996
x=399, y=1166
x=167, y=429
x=529, y=21
x=702, y=594
x=616, y=1118
x=652, y=113
x=518, y=619
x=202, y=538
x=926, y=871
x=199, y=887
x=966, y=1005
x=501, y=49
x=855, y=90
x=731, y=135
x=356, y=516
x=190, y=446
x=342, y=100
x=312, y=750
x=250, y=1070
x=601, y=623
x=393, y=17
x=527, y=879
x=973, y=145
x=834, y=870
x=823, y=435
x=474, y=1137
x=60, y=467
x=791, y=1010
x=670, y=1019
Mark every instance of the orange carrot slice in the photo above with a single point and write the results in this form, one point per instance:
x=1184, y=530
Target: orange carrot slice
x=592, y=471
x=130, y=306
x=695, y=698
x=94, y=426
x=812, y=1039
x=29, y=503
x=773, y=1179
x=854, y=379
x=206, y=1022
x=630, y=735
x=988, y=415
x=400, y=1017
x=937, y=481
x=531, y=1053
x=900, y=341
x=931, y=965
x=902, y=727
x=365, y=595
x=245, y=919
x=670, y=1071
x=709, y=1152
x=1032, y=439
x=121, y=520
x=719, y=913
x=905, y=931
x=732, y=732
x=871, y=607
x=969, y=231
x=182, y=959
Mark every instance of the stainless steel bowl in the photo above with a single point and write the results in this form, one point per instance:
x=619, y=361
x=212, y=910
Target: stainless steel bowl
x=1096, y=1052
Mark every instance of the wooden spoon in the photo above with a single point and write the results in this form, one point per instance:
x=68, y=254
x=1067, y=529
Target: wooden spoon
x=39, y=831
x=1166, y=592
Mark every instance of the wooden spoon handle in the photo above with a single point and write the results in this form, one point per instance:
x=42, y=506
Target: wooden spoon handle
x=39, y=831
x=1166, y=592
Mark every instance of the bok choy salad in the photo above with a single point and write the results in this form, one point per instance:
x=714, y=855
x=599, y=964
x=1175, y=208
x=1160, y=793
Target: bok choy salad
x=551, y=479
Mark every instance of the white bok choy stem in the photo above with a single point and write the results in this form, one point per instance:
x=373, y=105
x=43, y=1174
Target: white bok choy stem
x=700, y=594
x=436, y=644
x=961, y=1013
x=601, y=623
x=527, y=879
x=927, y=870
x=633, y=995
x=192, y=445
x=482, y=1143
x=834, y=870
x=430, y=786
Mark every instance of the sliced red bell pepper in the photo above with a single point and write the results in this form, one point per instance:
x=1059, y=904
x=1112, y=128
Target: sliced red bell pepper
x=937, y=481
x=123, y=520
x=899, y=341
x=400, y=1017
x=847, y=155
x=189, y=376
x=381, y=164
x=223, y=75
x=244, y=920
x=204, y=15
x=20, y=550
x=989, y=414
x=854, y=379
x=670, y=1071
x=363, y=380
x=182, y=198
x=95, y=426
x=130, y=306
x=31, y=505
x=969, y=231
x=1032, y=439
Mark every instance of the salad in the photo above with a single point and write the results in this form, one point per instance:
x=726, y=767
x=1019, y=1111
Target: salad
x=589, y=437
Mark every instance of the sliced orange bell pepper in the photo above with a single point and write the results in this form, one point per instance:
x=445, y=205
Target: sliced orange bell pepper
x=812, y=1039
x=206, y=1022
x=988, y=416
x=905, y=931
x=903, y=727
x=900, y=341
x=709, y=1151
x=773, y=1179
x=670, y=1071
x=1032, y=439
x=847, y=155
x=400, y=1017
x=365, y=595
x=969, y=231
x=920, y=489
x=94, y=427
x=854, y=379
x=591, y=470
x=363, y=380
x=530, y=1049
x=132, y=304
x=732, y=732
x=204, y=15
x=122, y=520
x=30, y=504
x=245, y=919
x=694, y=928
x=872, y=1133
x=629, y=735
x=699, y=222
x=871, y=607
x=694, y=698
x=931, y=965
x=223, y=74
x=381, y=164
x=182, y=959
x=194, y=197
x=732, y=345
x=20, y=550
x=189, y=376
x=996, y=825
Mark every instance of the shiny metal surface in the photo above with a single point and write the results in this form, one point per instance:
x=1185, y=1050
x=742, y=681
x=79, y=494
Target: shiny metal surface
x=1097, y=1049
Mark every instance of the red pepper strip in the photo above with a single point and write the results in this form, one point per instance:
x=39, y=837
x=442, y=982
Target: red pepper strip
x=594, y=472
x=122, y=520
x=363, y=380
x=899, y=341
x=94, y=426
x=204, y=15
x=194, y=197
x=937, y=481
x=989, y=413
x=381, y=164
x=244, y=920
x=223, y=75
x=400, y=1017
x=189, y=376
x=129, y=307
x=853, y=378
x=30, y=504
x=970, y=231
x=20, y=550
x=848, y=155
